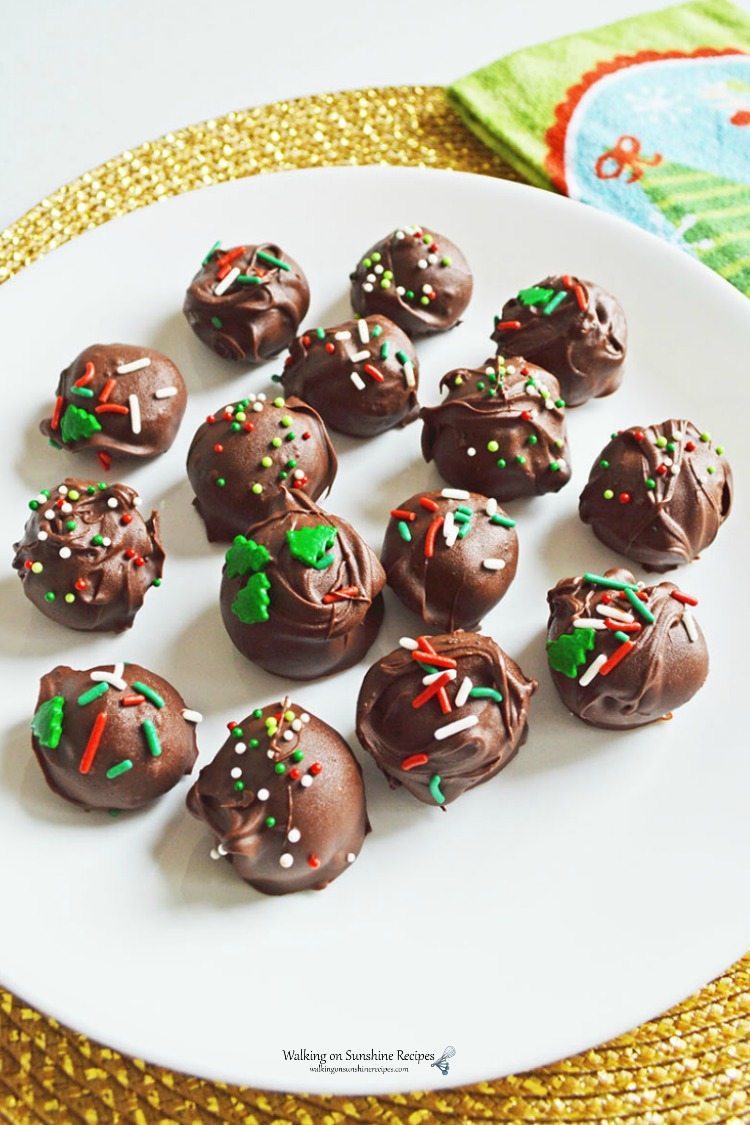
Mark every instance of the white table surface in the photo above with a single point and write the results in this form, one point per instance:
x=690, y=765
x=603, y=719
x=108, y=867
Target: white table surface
x=84, y=80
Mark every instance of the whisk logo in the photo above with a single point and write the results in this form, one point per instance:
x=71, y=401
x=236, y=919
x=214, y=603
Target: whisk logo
x=442, y=1063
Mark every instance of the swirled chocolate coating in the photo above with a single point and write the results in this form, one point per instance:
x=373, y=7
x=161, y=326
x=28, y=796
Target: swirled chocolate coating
x=247, y=303
x=87, y=556
x=241, y=455
x=119, y=400
x=408, y=726
x=658, y=494
x=300, y=591
x=285, y=799
x=450, y=556
x=361, y=375
x=500, y=430
x=622, y=655
x=112, y=737
x=415, y=277
x=571, y=327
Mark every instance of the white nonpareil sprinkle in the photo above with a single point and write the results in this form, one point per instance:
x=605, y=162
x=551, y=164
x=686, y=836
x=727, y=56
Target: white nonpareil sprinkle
x=463, y=692
x=690, y=628
x=214, y=854
x=409, y=643
x=588, y=623
x=409, y=374
x=491, y=506
x=297, y=725
x=106, y=541
x=221, y=849
x=342, y=335
x=63, y=489
x=288, y=735
x=306, y=781
x=471, y=451
x=112, y=502
x=422, y=263
x=358, y=382
x=286, y=860
x=191, y=716
x=493, y=564
x=134, y=365
x=65, y=552
x=258, y=407
x=358, y=357
x=66, y=508
x=457, y=727
x=42, y=536
x=432, y=677
x=135, y=413
x=240, y=747
x=263, y=794
x=378, y=268
x=165, y=392
x=400, y=290
x=236, y=772
x=364, y=331
x=109, y=678
x=351, y=857
x=367, y=286
x=455, y=494
x=593, y=670
x=49, y=514
x=615, y=614
x=305, y=717
x=224, y=284
x=294, y=835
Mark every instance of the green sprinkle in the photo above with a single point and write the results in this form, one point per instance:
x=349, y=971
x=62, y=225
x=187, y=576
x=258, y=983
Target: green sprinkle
x=279, y=768
x=430, y=668
x=403, y=529
x=47, y=723
x=248, y=279
x=705, y=437
x=461, y=517
x=252, y=602
x=711, y=469
x=289, y=716
x=70, y=525
x=402, y=357
x=464, y=530
x=73, y=494
x=34, y=505
x=297, y=756
x=84, y=392
x=376, y=256
x=93, y=693
x=608, y=494
x=435, y=793
x=152, y=738
x=376, y=330
x=464, y=510
x=384, y=350
x=409, y=294
x=446, y=261
x=286, y=421
x=720, y=449
x=257, y=489
x=239, y=786
x=274, y=261
x=257, y=713
x=49, y=596
x=211, y=253
x=266, y=462
x=661, y=441
x=310, y=545
x=609, y=583
x=554, y=466
x=290, y=436
x=121, y=767
x=650, y=484
x=277, y=402
x=486, y=693
x=276, y=442
x=533, y=439
x=70, y=598
x=424, y=300
x=501, y=462
x=37, y=568
x=283, y=475
x=535, y=295
x=560, y=403
x=270, y=822
x=556, y=300
x=78, y=425
x=671, y=446
x=220, y=482
x=253, y=744
x=156, y=582
x=481, y=386
x=493, y=446
x=291, y=464
x=367, y=262
x=638, y=605
x=236, y=732
x=604, y=464
x=521, y=459
x=568, y=652
x=503, y=521
x=621, y=637
x=151, y=695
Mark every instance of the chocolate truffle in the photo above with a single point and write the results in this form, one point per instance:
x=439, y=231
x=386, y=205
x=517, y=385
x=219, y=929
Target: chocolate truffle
x=443, y=714
x=300, y=593
x=658, y=494
x=416, y=278
x=572, y=328
x=247, y=303
x=450, y=556
x=113, y=737
x=119, y=400
x=242, y=453
x=360, y=375
x=500, y=430
x=285, y=800
x=87, y=556
x=620, y=654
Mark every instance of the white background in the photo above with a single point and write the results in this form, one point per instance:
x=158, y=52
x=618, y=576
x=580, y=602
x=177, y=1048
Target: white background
x=84, y=80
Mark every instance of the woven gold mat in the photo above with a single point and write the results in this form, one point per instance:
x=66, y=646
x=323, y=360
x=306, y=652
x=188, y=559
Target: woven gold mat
x=691, y=1065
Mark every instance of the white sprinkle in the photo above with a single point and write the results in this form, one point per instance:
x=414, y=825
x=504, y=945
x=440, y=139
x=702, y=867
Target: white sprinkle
x=263, y=794
x=457, y=727
x=409, y=374
x=236, y=772
x=135, y=413
x=298, y=474
x=432, y=259
x=689, y=622
x=224, y=284
x=433, y=676
x=408, y=643
x=304, y=717
x=549, y=403
x=489, y=370
x=41, y=499
x=222, y=849
x=358, y=382
x=63, y=490
x=109, y=678
x=358, y=357
x=615, y=614
x=136, y=501
x=422, y=263
x=426, y=288
x=297, y=725
x=258, y=407
x=286, y=860
x=471, y=451
x=453, y=536
x=448, y=524
x=294, y=835
x=463, y=692
x=493, y=564
x=112, y=502
x=240, y=747
x=65, y=552
x=378, y=268
x=261, y=397
x=342, y=335
x=455, y=494
x=214, y=854
x=135, y=365
x=288, y=735
x=49, y=514
x=250, y=398
x=400, y=234
x=351, y=856
x=66, y=508
x=165, y=392
x=306, y=781
x=367, y=287
x=106, y=541
x=364, y=331
x=511, y=369
x=118, y=670
x=588, y=623
x=491, y=506
x=400, y=290
x=42, y=536
x=592, y=670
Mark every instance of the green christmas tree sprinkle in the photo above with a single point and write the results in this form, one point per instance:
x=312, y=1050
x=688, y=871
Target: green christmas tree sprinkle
x=252, y=602
x=310, y=545
x=535, y=295
x=246, y=557
x=78, y=425
x=568, y=652
x=47, y=723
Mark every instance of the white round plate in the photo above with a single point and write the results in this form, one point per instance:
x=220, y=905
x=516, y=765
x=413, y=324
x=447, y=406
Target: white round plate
x=595, y=882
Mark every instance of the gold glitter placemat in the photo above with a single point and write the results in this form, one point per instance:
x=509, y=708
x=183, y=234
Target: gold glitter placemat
x=691, y=1065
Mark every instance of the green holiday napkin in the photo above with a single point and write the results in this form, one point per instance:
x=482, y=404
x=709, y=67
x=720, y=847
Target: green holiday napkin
x=648, y=118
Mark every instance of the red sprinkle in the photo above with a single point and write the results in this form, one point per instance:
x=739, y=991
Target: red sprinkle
x=624, y=497
x=622, y=626
x=690, y=446
x=373, y=371
x=638, y=435
x=343, y=594
x=104, y=459
x=210, y=418
x=132, y=700
x=567, y=281
x=55, y=422
x=502, y=325
x=130, y=553
x=93, y=743
x=425, y=645
x=315, y=769
x=433, y=658
x=249, y=427
x=661, y=470
x=580, y=296
x=444, y=701
x=330, y=348
x=429, y=540
x=140, y=561
x=684, y=598
x=295, y=773
x=305, y=341
x=218, y=448
x=616, y=657
x=28, y=564
x=527, y=415
x=314, y=861
x=306, y=436
x=107, y=389
x=127, y=518
x=81, y=584
x=430, y=690
x=111, y=408
x=402, y=514
x=231, y=726
x=87, y=376
x=414, y=761
x=606, y=599
x=230, y=256
x=429, y=504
